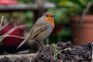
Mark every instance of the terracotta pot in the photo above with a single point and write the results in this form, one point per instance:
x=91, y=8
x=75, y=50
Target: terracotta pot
x=85, y=33
x=7, y=2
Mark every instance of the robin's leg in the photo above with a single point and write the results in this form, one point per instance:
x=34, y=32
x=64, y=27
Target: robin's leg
x=41, y=43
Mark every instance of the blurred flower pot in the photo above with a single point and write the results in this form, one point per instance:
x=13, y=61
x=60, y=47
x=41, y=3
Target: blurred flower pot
x=8, y=2
x=84, y=34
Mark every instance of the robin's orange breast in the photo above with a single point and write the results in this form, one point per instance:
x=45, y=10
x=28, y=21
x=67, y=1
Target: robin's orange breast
x=50, y=20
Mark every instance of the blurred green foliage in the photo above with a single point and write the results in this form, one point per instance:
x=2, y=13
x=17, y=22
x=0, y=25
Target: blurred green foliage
x=24, y=1
x=26, y=17
x=72, y=7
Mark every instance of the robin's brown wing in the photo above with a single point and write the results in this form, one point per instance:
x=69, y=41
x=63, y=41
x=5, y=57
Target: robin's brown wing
x=37, y=28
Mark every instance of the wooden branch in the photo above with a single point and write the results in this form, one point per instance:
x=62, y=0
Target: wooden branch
x=14, y=57
x=24, y=7
x=18, y=55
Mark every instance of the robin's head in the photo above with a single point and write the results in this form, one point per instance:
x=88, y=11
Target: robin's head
x=49, y=17
x=48, y=14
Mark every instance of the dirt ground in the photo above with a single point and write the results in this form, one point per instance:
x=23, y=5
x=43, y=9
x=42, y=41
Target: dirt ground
x=65, y=52
x=60, y=52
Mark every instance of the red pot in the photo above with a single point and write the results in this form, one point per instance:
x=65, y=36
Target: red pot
x=8, y=2
x=14, y=41
x=85, y=33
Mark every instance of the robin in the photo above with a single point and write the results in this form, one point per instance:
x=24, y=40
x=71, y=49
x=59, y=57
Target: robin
x=41, y=29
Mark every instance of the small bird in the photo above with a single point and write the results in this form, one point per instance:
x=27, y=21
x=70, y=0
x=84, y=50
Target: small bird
x=41, y=29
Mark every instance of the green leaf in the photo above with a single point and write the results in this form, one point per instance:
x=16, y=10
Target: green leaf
x=83, y=2
x=67, y=4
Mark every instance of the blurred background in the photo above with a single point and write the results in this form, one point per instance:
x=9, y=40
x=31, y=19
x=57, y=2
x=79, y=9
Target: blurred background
x=28, y=11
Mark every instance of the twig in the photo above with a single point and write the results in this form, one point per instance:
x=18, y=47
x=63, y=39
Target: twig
x=3, y=26
x=1, y=22
x=16, y=56
x=84, y=13
x=14, y=29
x=6, y=24
x=12, y=36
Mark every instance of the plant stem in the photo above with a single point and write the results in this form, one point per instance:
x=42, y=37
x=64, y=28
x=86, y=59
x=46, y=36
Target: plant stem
x=2, y=19
x=84, y=13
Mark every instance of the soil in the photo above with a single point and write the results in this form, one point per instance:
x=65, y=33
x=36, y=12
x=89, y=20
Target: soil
x=60, y=52
x=65, y=52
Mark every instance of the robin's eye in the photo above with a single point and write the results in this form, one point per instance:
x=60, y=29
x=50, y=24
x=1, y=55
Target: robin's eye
x=52, y=15
x=46, y=15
